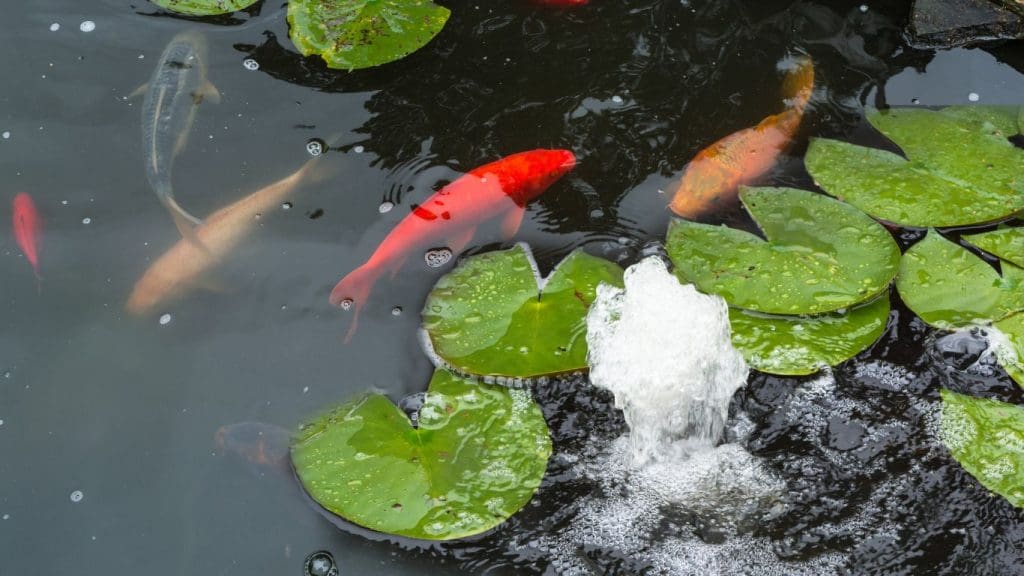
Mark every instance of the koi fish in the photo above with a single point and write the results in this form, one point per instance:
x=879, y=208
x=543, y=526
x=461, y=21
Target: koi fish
x=450, y=217
x=261, y=445
x=26, y=226
x=714, y=176
x=205, y=247
x=173, y=93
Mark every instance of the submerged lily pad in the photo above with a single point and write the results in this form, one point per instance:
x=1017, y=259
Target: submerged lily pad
x=821, y=255
x=949, y=287
x=351, y=34
x=799, y=345
x=987, y=438
x=960, y=169
x=204, y=7
x=1006, y=243
x=489, y=317
x=476, y=457
x=1012, y=357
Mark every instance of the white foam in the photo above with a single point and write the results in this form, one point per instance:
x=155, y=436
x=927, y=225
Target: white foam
x=664, y=351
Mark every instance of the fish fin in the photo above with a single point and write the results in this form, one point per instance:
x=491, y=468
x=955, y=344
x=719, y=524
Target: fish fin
x=207, y=92
x=459, y=242
x=139, y=91
x=511, y=222
x=185, y=222
x=354, y=289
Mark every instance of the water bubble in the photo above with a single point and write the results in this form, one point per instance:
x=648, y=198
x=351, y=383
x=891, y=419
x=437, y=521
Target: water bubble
x=385, y=207
x=165, y=319
x=87, y=26
x=358, y=149
x=286, y=205
x=863, y=7
x=316, y=147
x=250, y=64
x=617, y=99
x=973, y=97
x=396, y=311
x=6, y=135
x=1, y=422
x=437, y=257
x=915, y=101
x=77, y=496
x=346, y=304
x=86, y=220
x=54, y=27
x=320, y=563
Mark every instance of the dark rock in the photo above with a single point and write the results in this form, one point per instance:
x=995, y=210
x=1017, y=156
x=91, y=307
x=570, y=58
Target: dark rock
x=949, y=23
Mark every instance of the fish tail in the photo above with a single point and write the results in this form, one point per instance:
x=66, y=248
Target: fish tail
x=183, y=220
x=799, y=84
x=352, y=292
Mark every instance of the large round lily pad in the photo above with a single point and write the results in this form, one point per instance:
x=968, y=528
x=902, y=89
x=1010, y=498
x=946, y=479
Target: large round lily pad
x=1012, y=357
x=799, y=345
x=949, y=287
x=1006, y=243
x=987, y=438
x=204, y=7
x=821, y=255
x=960, y=168
x=477, y=457
x=489, y=316
x=351, y=34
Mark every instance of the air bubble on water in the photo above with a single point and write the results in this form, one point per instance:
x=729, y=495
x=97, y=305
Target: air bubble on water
x=1, y=422
x=6, y=135
x=385, y=207
x=396, y=311
x=863, y=7
x=165, y=319
x=250, y=64
x=437, y=257
x=54, y=27
x=77, y=496
x=316, y=147
x=87, y=26
x=915, y=101
x=617, y=99
x=346, y=304
x=320, y=563
x=358, y=149
x=86, y=220
x=973, y=97
x=286, y=205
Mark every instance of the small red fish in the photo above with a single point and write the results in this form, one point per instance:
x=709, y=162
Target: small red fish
x=450, y=217
x=714, y=176
x=27, y=226
x=258, y=444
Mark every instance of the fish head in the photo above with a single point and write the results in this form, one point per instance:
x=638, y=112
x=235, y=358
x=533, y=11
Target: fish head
x=187, y=48
x=527, y=175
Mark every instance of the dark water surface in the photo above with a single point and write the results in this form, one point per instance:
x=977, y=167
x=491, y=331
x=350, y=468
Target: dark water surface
x=125, y=409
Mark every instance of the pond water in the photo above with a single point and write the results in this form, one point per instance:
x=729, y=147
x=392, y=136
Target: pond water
x=108, y=421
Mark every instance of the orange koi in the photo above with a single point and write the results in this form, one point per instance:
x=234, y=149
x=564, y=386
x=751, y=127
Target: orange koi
x=714, y=176
x=26, y=226
x=450, y=217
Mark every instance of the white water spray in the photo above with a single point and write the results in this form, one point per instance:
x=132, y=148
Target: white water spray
x=664, y=350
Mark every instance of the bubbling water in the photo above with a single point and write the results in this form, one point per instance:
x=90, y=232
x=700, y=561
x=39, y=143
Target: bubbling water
x=664, y=351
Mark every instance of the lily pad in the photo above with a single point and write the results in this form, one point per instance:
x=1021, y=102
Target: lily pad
x=799, y=345
x=476, y=457
x=204, y=7
x=1006, y=243
x=352, y=34
x=1012, y=356
x=987, y=438
x=949, y=287
x=821, y=255
x=960, y=168
x=493, y=315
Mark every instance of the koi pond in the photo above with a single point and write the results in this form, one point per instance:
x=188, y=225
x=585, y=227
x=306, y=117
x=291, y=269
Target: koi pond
x=697, y=287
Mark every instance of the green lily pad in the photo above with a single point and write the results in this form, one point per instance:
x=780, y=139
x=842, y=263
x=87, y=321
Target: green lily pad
x=987, y=438
x=477, y=457
x=489, y=317
x=799, y=345
x=204, y=7
x=1006, y=243
x=352, y=34
x=821, y=255
x=960, y=168
x=1012, y=358
x=949, y=287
